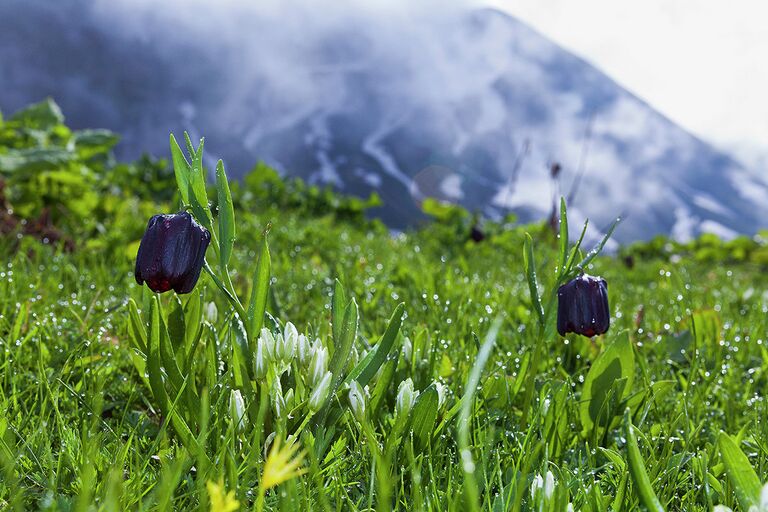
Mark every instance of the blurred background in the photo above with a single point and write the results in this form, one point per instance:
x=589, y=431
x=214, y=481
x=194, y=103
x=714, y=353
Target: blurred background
x=655, y=111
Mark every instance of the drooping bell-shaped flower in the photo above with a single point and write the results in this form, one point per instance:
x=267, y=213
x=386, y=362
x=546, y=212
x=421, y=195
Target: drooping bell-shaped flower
x=582, y=306
x=172, y=253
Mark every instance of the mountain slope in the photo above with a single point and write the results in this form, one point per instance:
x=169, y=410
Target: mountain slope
x=408, y=104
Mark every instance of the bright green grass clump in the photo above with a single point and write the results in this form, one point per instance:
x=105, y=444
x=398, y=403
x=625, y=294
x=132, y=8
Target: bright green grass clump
x=476, y=406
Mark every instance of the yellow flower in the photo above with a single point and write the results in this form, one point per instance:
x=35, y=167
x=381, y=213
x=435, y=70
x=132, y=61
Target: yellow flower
x=221, y=501
x=283, y=463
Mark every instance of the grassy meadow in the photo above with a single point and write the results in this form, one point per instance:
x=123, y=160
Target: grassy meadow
x=323, y=363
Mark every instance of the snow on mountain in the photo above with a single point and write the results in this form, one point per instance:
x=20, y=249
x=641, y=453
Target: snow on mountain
x=445, y=102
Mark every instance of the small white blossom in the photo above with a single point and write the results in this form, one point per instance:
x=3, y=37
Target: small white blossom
x=320, y=393
x=237, y=408
x=546, y=485
x=406, y=396
x=357, y=400
x=269, y=343
x=319, y=364
x=261, y=361
x=304, y=349
x=285, y=345
x=440, y=394
x=278, y=400
x=407, y=349
x=211, y=312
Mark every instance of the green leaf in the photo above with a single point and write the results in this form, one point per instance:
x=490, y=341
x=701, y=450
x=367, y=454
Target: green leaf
x=137, y=330
x=181, y=169
x=343, y=347
x=740, y=472
x=383, y=384
x=370, y=364
x=226, y=217
x=640, y=479
x=467, y=406
x=337, y=310
x=193, y=317
x=575, y=250
x=41, y=116
x=257, y=303
x=563, y=238
x=616, y=365
x=173, y=372
x=198, y=196
x=34, y=160
x=154, y=366
x=530, y=272
x=177, y=329
x=424, y=414
x=599, y=246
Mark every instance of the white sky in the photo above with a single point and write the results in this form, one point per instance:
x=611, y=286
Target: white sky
x=703, y=63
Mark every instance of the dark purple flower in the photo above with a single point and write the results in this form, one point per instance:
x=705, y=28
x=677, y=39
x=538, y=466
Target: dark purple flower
x=582, y=306
x=172, y=253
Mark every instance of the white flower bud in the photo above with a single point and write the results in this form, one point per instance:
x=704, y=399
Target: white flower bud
x=407, y=349
x=441, y=391
x=319, y=364
x=320, y=393
x=764, y=497
x=289, y=399
x=357, y=400
x=406, y=396
x=269, y=343
x=545, y=486
x=536, y=485
x=290, y=340
x=280, y=349
x=549, y=485
x=304, y=349
x=211, y=312
x=237, y=409
x=278, y=401
x=261, y=361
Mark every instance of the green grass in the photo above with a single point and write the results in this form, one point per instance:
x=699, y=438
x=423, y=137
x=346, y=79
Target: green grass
x=82, y=429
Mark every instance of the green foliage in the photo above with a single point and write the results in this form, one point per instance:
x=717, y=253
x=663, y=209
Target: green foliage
x=112, y=398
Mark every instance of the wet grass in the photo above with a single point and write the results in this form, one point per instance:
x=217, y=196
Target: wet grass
x=81, y=430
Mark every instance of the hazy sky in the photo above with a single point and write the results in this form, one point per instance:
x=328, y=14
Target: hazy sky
x=702, y=63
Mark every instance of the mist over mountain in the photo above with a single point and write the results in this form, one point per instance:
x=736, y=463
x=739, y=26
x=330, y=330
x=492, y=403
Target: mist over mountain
x=409, y=102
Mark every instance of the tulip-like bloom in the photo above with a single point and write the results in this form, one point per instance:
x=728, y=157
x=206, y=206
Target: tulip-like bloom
x=582, y=306
x=172, y=253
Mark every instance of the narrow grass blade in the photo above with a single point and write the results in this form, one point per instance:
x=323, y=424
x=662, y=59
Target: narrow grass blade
x=226, y=217
x=198, y=196
x=154, y=366
x=599, y=246
x=137, y=330
x=181, y=170
x=337, y=310
x=742, y=476
x=367, y=368
x=575, y=250
x=563, y=238
x=530, y=273
x=465, y=415
x=257, y=304
x=640, y=479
